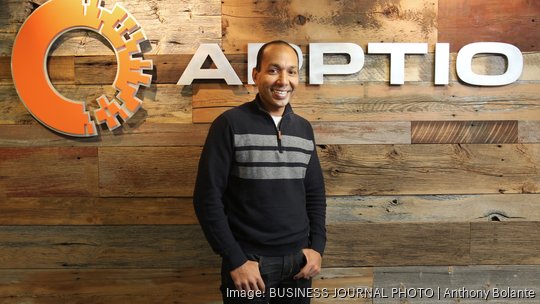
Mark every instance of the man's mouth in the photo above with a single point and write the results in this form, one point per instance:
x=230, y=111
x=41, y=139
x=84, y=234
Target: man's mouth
x=280, y=93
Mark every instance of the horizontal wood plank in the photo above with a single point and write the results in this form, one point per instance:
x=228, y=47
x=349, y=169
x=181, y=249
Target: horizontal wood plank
x=467, y=21
x=352, y=245
x=528, y=131
x=505, y=243
x=381, y=102
x=322, y=20
x=468, y=132
x=48, y=171
x=445, y=281
x=148, y=172
x=96, y=211
x=433, y=208
x=430, y=169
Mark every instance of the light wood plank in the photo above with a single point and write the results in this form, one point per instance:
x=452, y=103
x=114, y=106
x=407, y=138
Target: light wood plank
x=437, y=208
x=323, y=20
x=48, y=172
x=529, y=131
x=430, y=169
x=444, y=280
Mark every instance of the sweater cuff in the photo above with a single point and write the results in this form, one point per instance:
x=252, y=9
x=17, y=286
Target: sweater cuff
x=318, y=244
x=235, y=258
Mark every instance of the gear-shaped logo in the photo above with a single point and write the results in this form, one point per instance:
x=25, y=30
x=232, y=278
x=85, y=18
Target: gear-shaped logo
x=29, y=68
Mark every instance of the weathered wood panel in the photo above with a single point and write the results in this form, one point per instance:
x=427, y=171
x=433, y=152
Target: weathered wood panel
x=505, y=243
x=430, y=169
x=48, y=171
x=381, y=102
x=140, y=246
x=433, y=208
x=466, y=21
x=322, y=20
x=444, y=280
x=467, y=132
x=529, y=131
x=172, y=27
x=161, y=103
x=145, y=285
x=150, y=172
x=110, y=286
x=340, y=209
x=348, y=169
x=351, y=245
x=142, y=135
x=96, y=211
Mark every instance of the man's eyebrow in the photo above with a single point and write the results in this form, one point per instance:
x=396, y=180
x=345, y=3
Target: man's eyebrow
x=278, y=66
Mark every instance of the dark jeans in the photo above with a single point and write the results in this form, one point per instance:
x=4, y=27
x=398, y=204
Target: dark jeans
x=277, y=274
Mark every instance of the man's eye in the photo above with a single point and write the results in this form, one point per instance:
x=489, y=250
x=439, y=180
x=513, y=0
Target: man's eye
x=293, y=72
x=272, y=71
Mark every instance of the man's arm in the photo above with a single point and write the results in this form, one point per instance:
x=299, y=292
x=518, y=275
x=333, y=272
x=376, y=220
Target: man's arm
x=316, y=210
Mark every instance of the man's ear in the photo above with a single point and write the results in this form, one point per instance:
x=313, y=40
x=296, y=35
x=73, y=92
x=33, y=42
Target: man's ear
x=254, y=74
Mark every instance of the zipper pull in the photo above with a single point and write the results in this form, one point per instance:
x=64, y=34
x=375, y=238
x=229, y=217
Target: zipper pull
x=279, y=134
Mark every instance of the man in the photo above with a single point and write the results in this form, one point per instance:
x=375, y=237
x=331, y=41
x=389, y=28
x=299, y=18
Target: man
x=259, y=195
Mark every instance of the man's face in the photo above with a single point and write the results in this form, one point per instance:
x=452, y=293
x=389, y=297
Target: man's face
x=277, y=78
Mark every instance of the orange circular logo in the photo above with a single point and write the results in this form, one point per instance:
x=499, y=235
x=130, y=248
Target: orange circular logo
x=29, y=68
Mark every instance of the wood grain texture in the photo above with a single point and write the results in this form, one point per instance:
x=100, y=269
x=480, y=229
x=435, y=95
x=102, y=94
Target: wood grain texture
x=323, y=20
x=466, y=21
x=172, y=27
x=191, y=285
x=117, y=246
x=352, y=245
x=96, y=211
x=430, y=169
x=448, y=278
x=143, y=135
x=48, y=171
x=468, y=132
x=161, y=103
x=432, y=208
x=381, y=102
x=148, y=171
x=529, y=131
x=505, y=243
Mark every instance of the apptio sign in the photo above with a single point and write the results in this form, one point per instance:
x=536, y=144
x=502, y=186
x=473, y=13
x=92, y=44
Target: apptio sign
x=69, y=117
x=397, y=52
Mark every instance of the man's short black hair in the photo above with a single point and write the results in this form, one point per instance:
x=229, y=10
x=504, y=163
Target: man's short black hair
x=261, y=52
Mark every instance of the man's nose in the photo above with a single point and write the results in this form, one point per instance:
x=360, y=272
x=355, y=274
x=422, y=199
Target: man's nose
x=283, y=77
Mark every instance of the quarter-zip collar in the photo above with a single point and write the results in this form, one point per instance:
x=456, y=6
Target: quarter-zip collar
x=288, y=110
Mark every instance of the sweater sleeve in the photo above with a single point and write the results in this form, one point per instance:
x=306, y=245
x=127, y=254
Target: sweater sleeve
x=316, y=203
x=212, y=178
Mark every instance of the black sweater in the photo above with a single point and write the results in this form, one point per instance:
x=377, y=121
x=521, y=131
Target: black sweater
x=260, y=188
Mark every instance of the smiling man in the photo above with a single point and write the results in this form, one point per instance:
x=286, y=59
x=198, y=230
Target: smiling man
x=259, y=194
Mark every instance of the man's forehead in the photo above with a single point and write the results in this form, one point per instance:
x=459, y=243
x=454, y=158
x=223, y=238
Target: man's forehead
x=276, y=53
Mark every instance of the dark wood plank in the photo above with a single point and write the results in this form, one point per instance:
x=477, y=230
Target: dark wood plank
x=118, y=246
x=430, y=169
x=62, y=171
x=143, y=135
x=505, y=243
x=96, y=211
x=466, y=21
x=148, y=172
x=351, y=245
x=468, y=132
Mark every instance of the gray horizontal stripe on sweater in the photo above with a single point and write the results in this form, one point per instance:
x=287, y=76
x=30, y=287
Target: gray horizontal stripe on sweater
x=261, y=156
x=258, y=140
x=270, y=172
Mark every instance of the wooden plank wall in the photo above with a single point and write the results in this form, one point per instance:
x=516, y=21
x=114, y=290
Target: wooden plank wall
x=442, y=180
